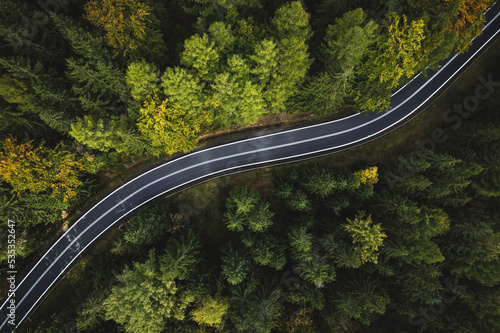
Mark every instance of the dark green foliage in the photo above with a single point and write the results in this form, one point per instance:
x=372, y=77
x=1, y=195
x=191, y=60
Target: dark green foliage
x=360, y=299
x=235, y=266
x=150, y=224
x=246, y=209
x=256, y=311
x=303, y=243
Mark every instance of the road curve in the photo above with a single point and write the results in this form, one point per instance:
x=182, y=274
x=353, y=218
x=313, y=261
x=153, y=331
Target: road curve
x=276, y=148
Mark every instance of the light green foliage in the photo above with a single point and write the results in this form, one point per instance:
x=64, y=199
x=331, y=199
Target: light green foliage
x=222, y=35
x=200, y=54
x=396, y=54
x=265, y=61
x=142, y=80
x=348, y=40
x=246, y=209
x=292, y=24
x=183, y=88
x=148, y=294
x=292, y=20
x=92, y=312
x=366, y=237
x=169, y=128
x=115, y=133
x=237, y=101
x=324, y=182
x=210, y=311
x=293, y=63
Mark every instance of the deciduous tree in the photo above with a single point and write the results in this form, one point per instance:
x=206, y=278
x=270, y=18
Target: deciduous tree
x=41, y=169
x=169, y=128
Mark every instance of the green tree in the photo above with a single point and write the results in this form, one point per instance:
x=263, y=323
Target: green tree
x=238, y=102
x=200, y=53
x=291, y=22
x=246, y=209
x=130, y=25
x=39, y=170
x=142, y=80
x=360, y=299
x=395, y=55
x=96, y=83
x=347, y=41
x=183, y=88
x=268, y=251
x=366, y=237
x=147, y=296
x=105, y=134
x=44, y=93
x=222, y=35
x=210, y=311
x=235, y=266
x=149, y=225
x=258, y=311
x=264, y=61
x=301, y=242
x=207, y=8
x=83, y=43
x=181, y=256
x=169, y=128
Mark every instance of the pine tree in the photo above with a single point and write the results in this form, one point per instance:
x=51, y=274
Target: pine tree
x=106, y=134
x=366, y=238
x=183, y=88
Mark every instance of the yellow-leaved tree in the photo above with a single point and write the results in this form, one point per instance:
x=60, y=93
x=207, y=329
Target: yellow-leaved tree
x=169, y=128
x=366, y=237
x=367, y=176
x=129, y=24
x=40, y=169
x=468, y=21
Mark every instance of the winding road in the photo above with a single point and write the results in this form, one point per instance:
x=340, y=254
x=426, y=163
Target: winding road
x=193, y=168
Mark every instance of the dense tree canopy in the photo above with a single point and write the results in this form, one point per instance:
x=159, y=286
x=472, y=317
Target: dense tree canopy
x=95, y=89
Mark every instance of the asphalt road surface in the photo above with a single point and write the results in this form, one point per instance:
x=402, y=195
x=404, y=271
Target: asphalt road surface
x=275, y=148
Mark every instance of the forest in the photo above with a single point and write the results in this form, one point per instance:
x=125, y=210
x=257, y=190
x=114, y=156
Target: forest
x=89, y=87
